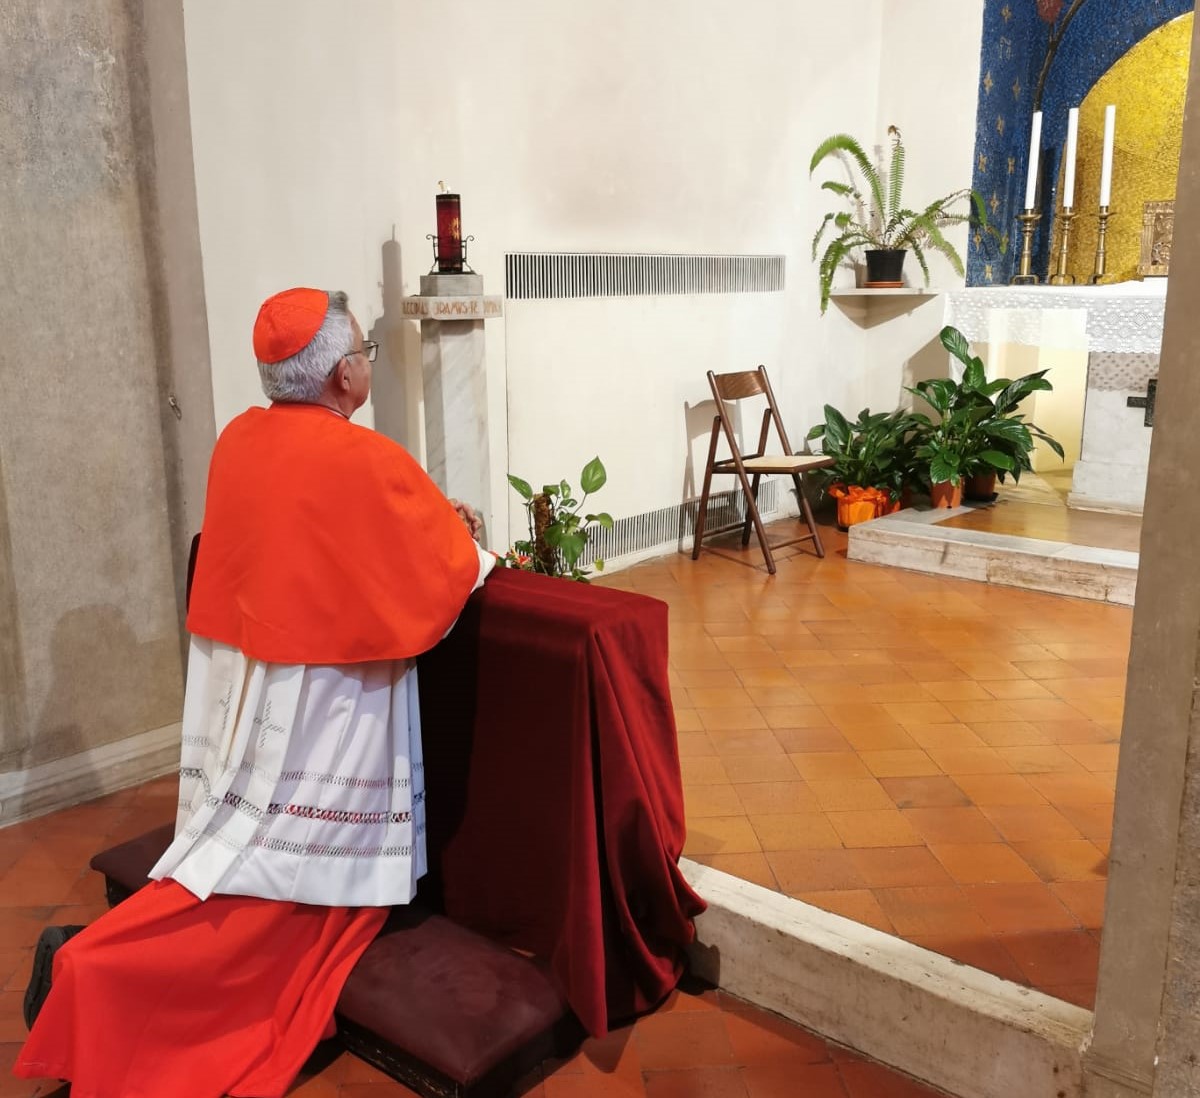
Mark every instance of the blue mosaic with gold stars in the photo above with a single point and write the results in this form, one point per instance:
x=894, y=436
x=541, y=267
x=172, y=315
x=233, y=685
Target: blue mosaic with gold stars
x=1016, y=56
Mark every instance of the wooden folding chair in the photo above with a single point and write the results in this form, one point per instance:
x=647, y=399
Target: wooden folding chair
x=750, y=468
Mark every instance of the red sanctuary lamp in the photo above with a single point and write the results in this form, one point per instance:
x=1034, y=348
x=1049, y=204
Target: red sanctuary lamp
x=449, y=244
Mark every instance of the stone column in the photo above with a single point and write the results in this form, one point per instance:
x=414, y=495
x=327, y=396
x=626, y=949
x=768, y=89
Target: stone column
x=106, y=423
x=1146, y=1038
x=452, y=309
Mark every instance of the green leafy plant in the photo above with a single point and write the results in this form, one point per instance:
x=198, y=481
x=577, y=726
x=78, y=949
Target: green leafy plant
x=1005, y=440
x=874, y=451
x=558, y=532
x=979, y=428
x=947, y=448
x=877, y=217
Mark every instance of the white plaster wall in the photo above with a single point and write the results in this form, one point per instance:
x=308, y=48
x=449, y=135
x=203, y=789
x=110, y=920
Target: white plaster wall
x=928, y=87
x=677, y=127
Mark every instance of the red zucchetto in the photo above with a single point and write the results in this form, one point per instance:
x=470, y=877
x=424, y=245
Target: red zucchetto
x=287, y=322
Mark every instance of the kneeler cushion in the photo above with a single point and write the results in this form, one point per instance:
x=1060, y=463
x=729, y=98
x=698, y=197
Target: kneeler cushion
x=126, y=867
x=429, y=994
x=442, y=1009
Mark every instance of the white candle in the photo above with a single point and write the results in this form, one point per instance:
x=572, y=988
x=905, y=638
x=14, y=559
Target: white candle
x=1069, y=172
x=1110, y=123
x=1035, y=144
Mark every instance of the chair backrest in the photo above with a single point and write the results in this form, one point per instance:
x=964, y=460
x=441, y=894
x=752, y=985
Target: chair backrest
x=739, y=386
x=746, y=383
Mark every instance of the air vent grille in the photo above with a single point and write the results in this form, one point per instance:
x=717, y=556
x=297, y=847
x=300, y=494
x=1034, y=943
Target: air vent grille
x=547, y=275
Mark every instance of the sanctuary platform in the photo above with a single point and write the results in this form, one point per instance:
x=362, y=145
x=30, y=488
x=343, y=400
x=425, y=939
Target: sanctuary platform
x=1028, y=538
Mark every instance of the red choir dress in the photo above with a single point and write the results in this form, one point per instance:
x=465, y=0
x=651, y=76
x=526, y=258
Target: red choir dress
x=328, y=561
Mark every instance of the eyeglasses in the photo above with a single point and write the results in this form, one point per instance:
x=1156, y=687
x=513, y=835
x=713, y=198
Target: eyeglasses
x=369, y=348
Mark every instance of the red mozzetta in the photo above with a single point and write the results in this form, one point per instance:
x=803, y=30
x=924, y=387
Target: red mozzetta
x=317, y=543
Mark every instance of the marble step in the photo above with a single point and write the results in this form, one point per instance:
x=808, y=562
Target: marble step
x=915, y=539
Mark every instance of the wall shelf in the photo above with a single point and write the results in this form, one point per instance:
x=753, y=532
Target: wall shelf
x=903, y=291
x=868, y=307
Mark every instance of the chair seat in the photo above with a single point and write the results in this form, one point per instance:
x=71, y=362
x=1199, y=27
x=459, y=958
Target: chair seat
x=778, y=463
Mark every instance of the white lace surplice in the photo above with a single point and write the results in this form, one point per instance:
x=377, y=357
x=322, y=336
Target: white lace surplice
x=300, y=782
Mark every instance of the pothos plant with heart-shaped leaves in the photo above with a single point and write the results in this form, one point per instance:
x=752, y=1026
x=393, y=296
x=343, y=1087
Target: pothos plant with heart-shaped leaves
x=559, y=528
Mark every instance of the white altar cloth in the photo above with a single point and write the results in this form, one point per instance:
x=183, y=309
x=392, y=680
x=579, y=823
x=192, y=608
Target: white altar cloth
x=1126, y=317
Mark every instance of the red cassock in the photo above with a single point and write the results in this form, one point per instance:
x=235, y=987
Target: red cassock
x=323, y=543
x=168, y=996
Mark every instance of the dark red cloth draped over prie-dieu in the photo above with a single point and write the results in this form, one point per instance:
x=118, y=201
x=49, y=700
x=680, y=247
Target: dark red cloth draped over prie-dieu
x=555, y=808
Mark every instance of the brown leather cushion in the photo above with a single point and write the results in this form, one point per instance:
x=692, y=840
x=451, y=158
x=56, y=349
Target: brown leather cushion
x=448, y=997
x=129, y=864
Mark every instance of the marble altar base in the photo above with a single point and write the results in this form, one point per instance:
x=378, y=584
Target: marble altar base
x=1111, y=472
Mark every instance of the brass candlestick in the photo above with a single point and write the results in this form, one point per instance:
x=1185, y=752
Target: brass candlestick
x=1060, y=276
x=1025, y=276
x=1098, y=273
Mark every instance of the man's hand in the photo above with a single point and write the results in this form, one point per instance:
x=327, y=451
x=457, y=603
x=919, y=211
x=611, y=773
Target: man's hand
x=470, y=519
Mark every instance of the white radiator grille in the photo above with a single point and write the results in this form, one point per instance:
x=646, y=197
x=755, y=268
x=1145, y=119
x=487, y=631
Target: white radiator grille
x=542, y=275
x=674, y=524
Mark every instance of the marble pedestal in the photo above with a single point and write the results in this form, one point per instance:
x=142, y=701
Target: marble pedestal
x=452, y=309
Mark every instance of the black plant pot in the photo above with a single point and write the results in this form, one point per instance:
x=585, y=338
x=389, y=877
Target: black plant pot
x=886, y=267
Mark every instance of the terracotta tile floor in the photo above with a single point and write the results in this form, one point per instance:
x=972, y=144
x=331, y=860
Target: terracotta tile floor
x=700, y=1044
x=930, y=756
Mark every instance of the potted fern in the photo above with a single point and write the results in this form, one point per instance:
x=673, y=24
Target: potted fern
x=877, y=220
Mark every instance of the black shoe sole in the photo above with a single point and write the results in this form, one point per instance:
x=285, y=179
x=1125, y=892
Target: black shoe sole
x=52, y=939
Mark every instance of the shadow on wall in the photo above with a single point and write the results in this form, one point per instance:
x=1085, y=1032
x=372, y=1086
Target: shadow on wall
x=929, y=362
x=107, y=685
x=697, y=427
x=396, y=377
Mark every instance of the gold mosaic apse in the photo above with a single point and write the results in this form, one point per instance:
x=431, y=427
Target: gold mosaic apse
x=1148, y=85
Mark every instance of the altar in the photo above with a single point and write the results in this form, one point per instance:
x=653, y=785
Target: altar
x=1101, y=345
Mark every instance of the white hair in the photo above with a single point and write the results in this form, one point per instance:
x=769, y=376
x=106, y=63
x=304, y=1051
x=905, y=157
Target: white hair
x=301, y=378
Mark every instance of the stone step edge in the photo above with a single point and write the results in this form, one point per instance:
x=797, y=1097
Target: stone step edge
x=1105, y=575
x=957, y=1028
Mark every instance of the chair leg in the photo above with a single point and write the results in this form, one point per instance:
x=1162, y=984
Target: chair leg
x=746, y=525
x=752, y=507
x=702, y=510
x=806, y=511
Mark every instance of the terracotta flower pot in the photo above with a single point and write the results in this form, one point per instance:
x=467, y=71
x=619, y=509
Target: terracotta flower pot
x=946, y=494
x=981, y=488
